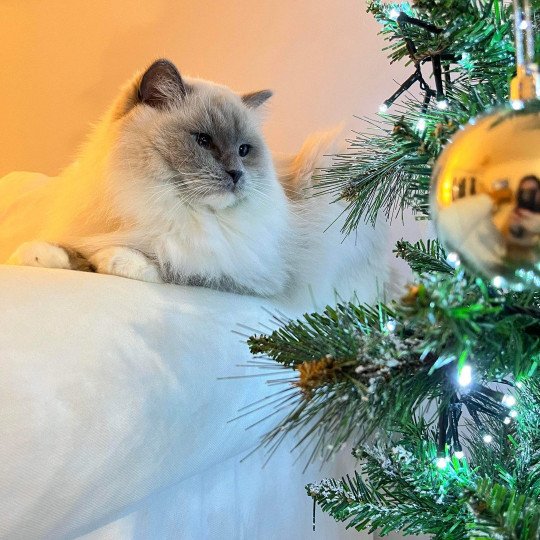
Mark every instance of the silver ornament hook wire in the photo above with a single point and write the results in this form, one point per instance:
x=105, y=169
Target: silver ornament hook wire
x=524, y=85
x=524, y=34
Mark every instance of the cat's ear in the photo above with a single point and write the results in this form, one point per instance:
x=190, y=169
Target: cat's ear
x=256, y=99
x=161, y=85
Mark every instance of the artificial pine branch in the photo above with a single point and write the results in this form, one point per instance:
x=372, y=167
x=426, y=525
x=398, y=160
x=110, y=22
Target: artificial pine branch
x=423, y=256
x=357, y=368
x=501, y=512
x=400, y=488
x=491, y=494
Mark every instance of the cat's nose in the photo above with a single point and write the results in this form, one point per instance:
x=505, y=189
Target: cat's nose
x=235, y=175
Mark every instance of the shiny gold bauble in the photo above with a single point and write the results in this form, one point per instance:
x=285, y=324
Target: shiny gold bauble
x=485, y=196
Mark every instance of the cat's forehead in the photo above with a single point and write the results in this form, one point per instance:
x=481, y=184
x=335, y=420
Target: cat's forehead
x=219, y=111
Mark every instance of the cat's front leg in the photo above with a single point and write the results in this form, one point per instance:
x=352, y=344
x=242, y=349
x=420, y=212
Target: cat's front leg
x=125, y=262
x=47, y=255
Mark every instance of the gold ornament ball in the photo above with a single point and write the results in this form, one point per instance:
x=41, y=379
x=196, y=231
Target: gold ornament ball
x=485, y=196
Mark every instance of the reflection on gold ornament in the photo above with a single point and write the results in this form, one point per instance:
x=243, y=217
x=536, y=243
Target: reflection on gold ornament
x=486, y=194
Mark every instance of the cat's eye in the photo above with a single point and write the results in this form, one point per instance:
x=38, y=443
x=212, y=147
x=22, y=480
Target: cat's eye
x=244, y=149
x=203, y=139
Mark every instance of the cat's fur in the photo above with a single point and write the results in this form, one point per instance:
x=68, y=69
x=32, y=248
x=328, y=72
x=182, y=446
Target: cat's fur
x=145, y=200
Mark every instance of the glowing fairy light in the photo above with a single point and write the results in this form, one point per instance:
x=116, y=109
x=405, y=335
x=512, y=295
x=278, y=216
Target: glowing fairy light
x=442, y=462
x=421, y=124
x=394, y=13
x=465, y=375
x=517, y=104
x=442, y=104
x=459, y=454
x=391, y=325
x=383, y=107
x=453, y=259
x=513, y=413
x=487, y=438
x=507, y=420
x=508, y=400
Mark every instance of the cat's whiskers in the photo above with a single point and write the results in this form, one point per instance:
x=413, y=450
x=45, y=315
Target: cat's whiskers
x=296, y=209
x=197, y=192
x=161, y=192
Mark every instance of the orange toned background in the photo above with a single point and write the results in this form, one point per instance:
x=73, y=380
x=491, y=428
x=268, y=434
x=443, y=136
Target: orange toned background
x=62, y=62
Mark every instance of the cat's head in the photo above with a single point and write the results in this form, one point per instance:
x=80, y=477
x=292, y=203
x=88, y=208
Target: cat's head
x=195, y=139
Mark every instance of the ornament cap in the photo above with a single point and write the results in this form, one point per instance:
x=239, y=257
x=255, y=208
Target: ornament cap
x=526, y=84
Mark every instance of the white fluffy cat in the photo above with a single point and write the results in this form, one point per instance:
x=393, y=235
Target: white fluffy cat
x=176, y=184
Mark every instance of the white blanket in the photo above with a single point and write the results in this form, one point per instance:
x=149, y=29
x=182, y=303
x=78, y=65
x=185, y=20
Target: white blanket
x=109, y=393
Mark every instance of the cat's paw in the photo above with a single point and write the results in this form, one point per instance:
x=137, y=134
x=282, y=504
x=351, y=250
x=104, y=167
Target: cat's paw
x=125, y=262
x=40, y=254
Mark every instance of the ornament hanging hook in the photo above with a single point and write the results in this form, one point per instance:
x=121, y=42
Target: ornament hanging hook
x=524, y=34
x=524, y=85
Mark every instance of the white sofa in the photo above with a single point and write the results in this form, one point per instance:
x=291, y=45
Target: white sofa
x=114, y=423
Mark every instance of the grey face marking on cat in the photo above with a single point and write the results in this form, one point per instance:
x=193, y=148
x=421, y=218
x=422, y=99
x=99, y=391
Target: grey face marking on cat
x=208, y=137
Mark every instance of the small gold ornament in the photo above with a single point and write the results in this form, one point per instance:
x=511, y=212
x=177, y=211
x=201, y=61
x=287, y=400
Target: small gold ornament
x=485, y=196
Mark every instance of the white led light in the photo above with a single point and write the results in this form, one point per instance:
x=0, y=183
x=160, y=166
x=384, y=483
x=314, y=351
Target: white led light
x=513, y=413
x=465, y=376
x=498, y=282
x=453, y=259
x=517, y=104
x=508, y=400
x=523, y=25
x=459, y=454
x=507, y=420
x=394, y=13
x=442, y=104
x=487, y=438
x=383, y=107
x=442, y=462
x=391, y=325
x=519, y=384
x=421, y=124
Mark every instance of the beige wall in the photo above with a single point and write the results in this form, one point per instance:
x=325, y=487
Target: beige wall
x=63, y=60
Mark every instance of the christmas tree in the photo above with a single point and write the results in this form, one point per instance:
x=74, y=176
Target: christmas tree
x=438, y=391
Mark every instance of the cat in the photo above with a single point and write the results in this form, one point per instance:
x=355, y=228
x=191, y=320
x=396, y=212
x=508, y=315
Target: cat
x=176, y=184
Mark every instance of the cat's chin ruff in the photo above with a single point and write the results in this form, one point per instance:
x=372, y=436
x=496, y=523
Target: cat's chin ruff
x=242, y=245
x=221, y=201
